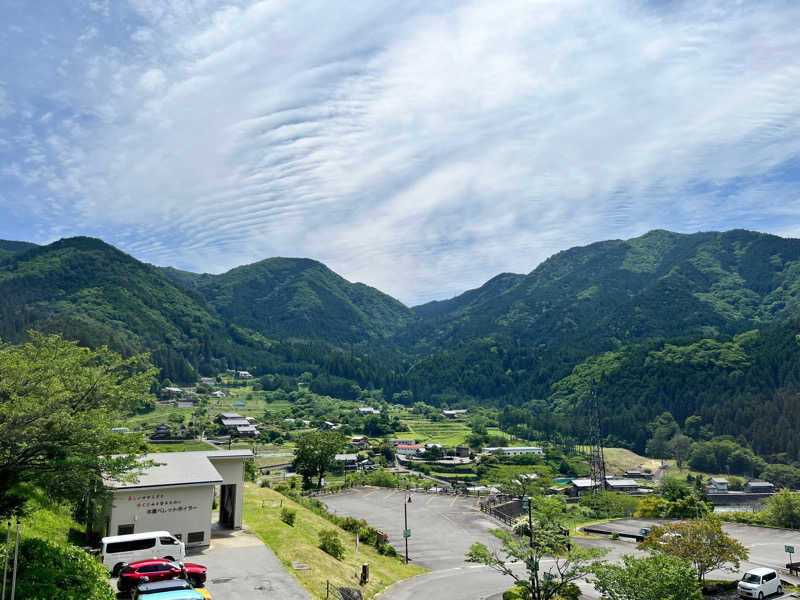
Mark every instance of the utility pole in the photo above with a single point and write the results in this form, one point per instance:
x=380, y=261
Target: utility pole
x=14, y=574
x=5, y=564
x=405, y=524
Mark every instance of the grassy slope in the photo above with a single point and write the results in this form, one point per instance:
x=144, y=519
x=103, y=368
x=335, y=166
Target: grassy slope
x=300, y=544
x=48, y=521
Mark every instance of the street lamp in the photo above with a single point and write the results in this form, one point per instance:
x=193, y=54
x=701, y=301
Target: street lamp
x=406, y=530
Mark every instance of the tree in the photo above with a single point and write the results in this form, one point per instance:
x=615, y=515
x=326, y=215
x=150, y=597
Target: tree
x=783, y=509
x=545, y=538
x=680, y=448
x=663, y=428
x=700, y=541
x=570, y=564
x=315, y=454
x=657, y=577
x=58, y=405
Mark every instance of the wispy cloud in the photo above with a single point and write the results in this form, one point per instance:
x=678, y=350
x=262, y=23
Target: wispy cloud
x=421, y=147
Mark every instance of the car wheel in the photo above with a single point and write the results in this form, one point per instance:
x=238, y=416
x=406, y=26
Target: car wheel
x=194, y=580
x=760, y=595
x=780, y=590
x=117, y=568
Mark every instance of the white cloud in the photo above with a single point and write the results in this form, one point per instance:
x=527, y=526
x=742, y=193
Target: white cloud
x=419, y=149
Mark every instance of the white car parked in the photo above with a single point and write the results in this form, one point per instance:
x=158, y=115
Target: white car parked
x=119, y=550
x=760, y=583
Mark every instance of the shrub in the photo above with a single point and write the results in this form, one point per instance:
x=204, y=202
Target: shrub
x=515, y=593
x=288, y=516
x=50, y=570
x=329, y=542
x=382, y=478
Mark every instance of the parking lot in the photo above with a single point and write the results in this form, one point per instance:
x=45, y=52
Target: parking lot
x=443, y=528
x=765, y=545
x=241, y=567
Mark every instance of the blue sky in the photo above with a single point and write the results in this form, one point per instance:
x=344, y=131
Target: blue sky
x=419, y=147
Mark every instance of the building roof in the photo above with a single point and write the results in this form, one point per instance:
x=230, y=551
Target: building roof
x=759, y=483
x=246, y=428
x=459, y=411
x=346, y=457
x=506, y=448
x=235, y=422
x=408, y=446
x=718, y=480
x=583, y=483
x=229, y=416
x=179, y=468
x=621, y=483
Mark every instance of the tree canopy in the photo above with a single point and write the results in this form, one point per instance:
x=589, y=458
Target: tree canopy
x=315, y=454
x=58, y=405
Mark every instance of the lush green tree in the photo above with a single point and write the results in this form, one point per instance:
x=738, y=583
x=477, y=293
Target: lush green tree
x=700, y=541
x=662, y=429
x=58, y=404
x=657, y=577
x=783, y=509
x=570, y=562
x=50, y=570
x=680, y=448
x=315, y=453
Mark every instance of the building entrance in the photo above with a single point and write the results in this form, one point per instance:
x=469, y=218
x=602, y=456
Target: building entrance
x=227, y=506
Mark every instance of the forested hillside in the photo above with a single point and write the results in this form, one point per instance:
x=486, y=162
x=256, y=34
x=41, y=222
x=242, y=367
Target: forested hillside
x=299, y=298
x=661, y=284
x=703, y=327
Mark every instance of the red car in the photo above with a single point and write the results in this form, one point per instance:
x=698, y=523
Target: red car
x=158, y=569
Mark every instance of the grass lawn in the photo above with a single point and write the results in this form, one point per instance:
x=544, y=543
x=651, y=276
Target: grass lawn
x=48, y=521
x=186, y=446
x=622, y=459
x=448, y=433
x=300, y=544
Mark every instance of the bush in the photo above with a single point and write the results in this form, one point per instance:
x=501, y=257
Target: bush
x=382, y=478
x=329, y=542
x=49, y=570
x=515, y=593
x=288, y=516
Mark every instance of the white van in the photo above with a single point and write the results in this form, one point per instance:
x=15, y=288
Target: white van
x=118, y=550
x=760, y=583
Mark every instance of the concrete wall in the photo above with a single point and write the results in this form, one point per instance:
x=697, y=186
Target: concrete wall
x=232, y=471
x=179, y=510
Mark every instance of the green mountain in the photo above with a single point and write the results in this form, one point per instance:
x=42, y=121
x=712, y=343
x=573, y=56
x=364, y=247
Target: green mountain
x=9, y=248
x=299, y=298
x=661, y=284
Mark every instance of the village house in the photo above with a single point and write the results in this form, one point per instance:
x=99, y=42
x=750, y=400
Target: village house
x=348, y=462
x=757, y=486
x=462, y=451
x=454, y=414
x=238, y=425
x=218, y=394
x=243, y=375
x=407, y=441
x=515, y=450
x=622, y=485
x=359, y=441
x=409, y=449
x=368, y=410
x=717, y=485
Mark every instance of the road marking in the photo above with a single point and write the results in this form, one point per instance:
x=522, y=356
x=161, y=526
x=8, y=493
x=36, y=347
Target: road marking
x=431, y=499
x=454, y=501
x=372, y=492
x=390, y=494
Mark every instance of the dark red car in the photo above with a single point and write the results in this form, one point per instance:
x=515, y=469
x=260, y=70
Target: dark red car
x=158, y=569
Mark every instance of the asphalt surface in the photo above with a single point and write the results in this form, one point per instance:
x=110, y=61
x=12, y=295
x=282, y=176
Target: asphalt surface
x=765, y=545
x=443, y=528
x=241, y=567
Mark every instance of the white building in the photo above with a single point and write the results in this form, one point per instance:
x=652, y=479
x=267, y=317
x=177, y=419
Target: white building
x=409, y=449
x=177, y=495
x=516, y=450
x=369, y=410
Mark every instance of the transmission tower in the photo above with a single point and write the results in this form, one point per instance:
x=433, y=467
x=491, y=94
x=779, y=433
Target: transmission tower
x=597, y=461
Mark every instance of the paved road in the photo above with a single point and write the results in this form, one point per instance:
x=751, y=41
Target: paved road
x=241, y=567
x=765, y=545
x=443, y=528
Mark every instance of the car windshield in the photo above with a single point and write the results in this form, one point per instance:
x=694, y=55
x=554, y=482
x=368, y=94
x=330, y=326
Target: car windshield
x=750, y=578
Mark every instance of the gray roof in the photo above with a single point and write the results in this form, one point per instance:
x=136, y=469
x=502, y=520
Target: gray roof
x=758, y=483
x=718, y=480
x=621, y=483
x=346, y=457
x=229, y=416
x=179, y=468
x=233, y=422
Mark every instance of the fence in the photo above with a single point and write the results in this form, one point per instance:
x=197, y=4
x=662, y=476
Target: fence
x=333, y=592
